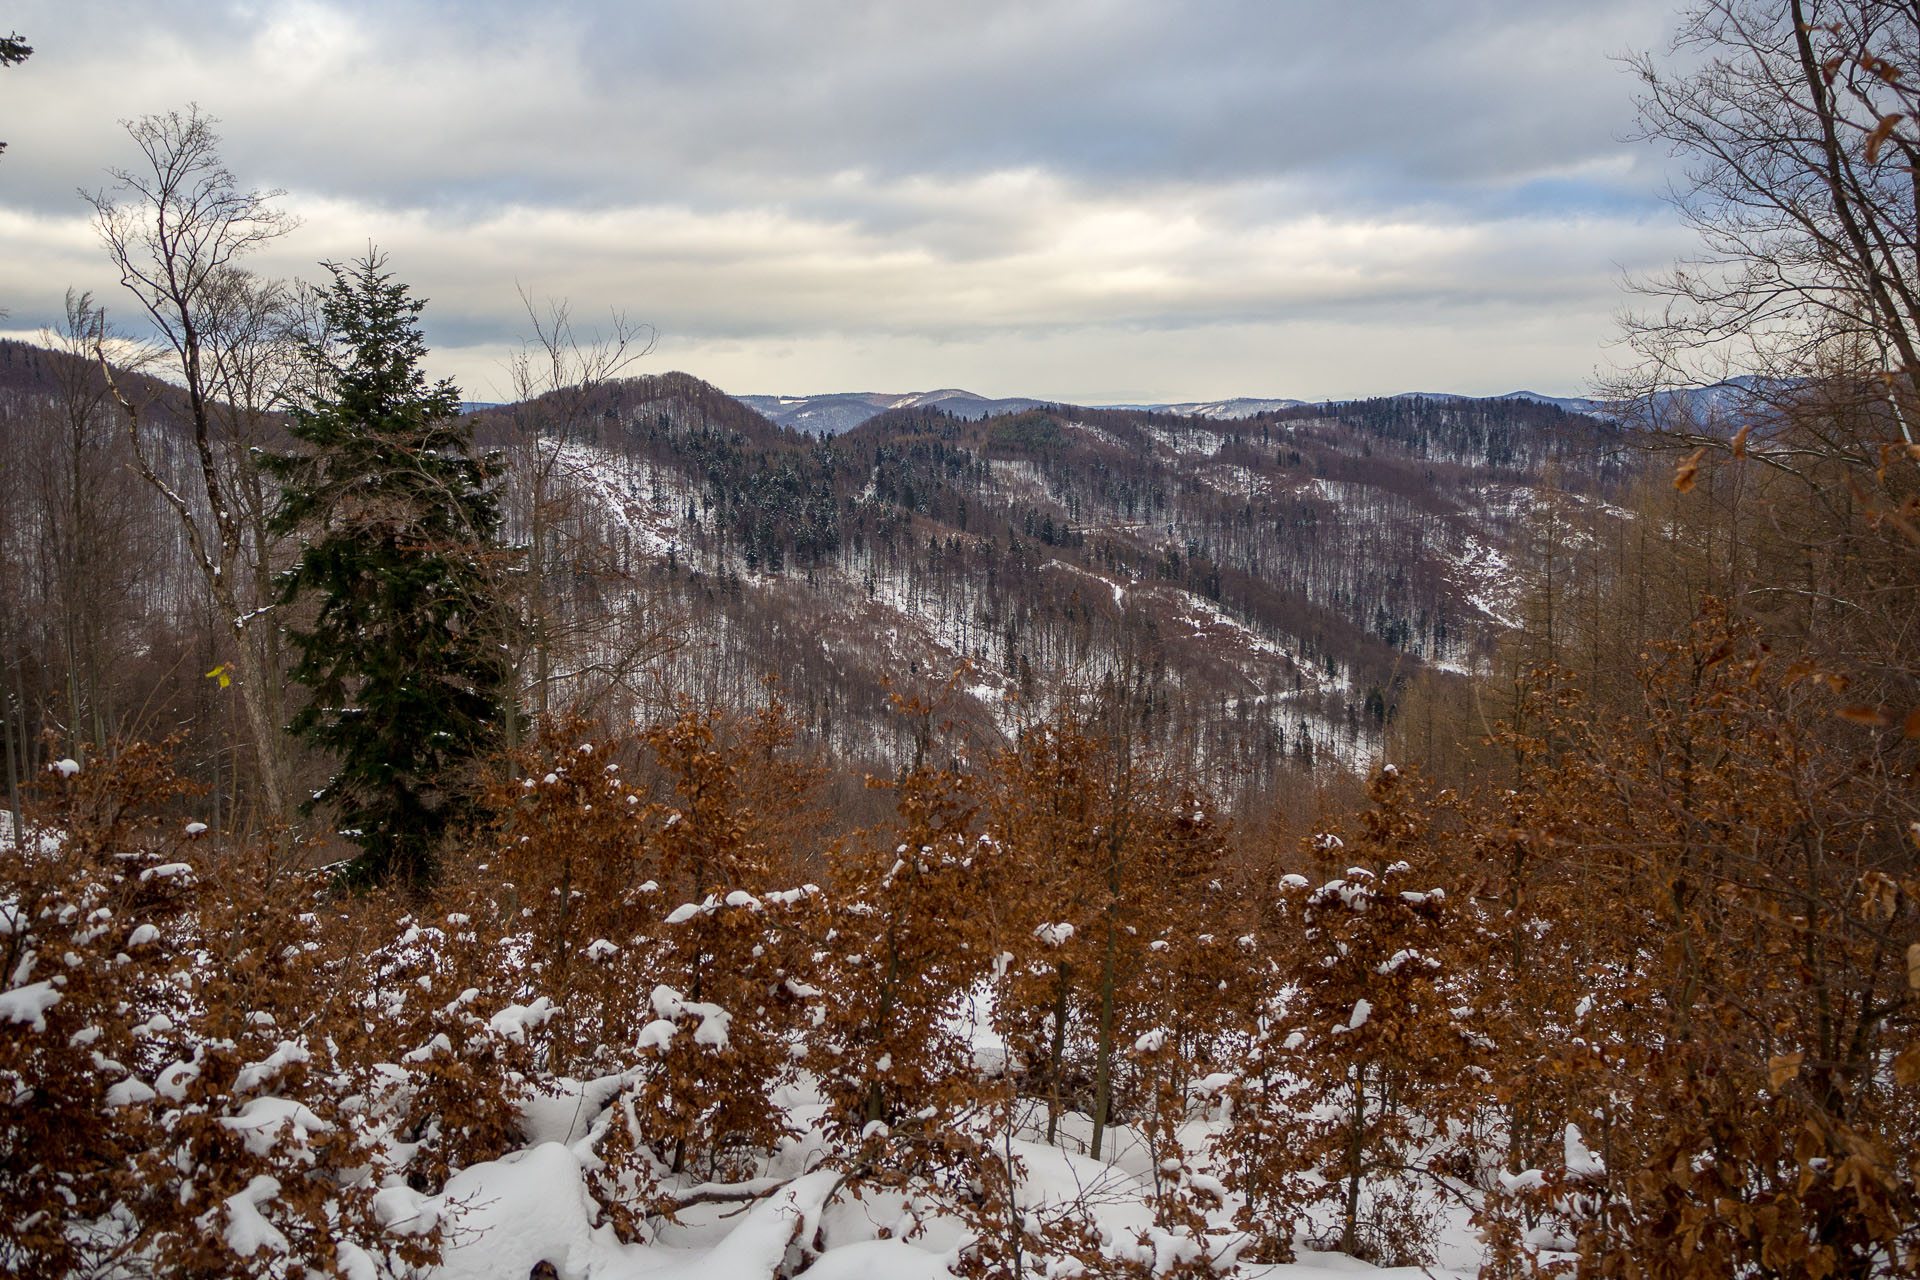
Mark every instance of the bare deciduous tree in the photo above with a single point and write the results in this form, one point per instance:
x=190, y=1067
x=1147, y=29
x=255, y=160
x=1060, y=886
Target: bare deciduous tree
x=1795, y=123
x=176, y=227
x=560, y=379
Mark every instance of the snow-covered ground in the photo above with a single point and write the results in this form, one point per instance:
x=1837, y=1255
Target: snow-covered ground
x=1194, y=442
x=1487, y=577
x=506, y=1216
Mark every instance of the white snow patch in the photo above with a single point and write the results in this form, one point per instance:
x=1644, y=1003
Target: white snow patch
x=29, y=1004
x=264, y=1121
x=247, y=1231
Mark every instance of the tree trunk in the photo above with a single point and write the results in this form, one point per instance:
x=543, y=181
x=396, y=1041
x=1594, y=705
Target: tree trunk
x=259, y=690
x=216, y=565
x=1062, y=977
x=1103, y=1062
x=1356, y=1134
x=16, y=762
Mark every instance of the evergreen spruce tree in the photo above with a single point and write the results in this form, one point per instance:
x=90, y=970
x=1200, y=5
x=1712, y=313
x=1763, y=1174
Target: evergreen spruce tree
x=404, y=655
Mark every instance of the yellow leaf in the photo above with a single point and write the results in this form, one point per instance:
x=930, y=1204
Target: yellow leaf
x=1782, y=1068
x=1689, y=468
x=1878, y=137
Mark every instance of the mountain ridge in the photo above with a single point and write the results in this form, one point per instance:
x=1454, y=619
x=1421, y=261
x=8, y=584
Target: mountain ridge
x=830, y=413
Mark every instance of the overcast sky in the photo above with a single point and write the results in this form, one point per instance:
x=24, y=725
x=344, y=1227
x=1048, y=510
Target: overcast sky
x=1087, y=200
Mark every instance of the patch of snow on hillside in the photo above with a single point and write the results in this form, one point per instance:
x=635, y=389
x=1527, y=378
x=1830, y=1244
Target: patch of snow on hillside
x=1016, y=478
x=1209, y=619
x=1118, y=589
x=1339, y=491
x=1235, y=481
x=1197, y=444
x=987, y=694
x=645, y=505
x=1101, y=434
x=1486, y=576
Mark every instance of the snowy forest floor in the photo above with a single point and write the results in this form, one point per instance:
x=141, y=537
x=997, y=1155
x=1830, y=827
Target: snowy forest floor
x=506, y=1216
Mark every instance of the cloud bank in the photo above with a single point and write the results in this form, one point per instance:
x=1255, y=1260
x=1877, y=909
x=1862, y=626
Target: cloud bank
x=1096, y=200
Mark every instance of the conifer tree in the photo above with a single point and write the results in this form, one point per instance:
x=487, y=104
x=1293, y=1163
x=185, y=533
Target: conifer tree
x=397, y=519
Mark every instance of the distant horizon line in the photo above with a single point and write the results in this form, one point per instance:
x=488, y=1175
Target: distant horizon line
x=974, y=396
x=33, y=339
x=1144, y=404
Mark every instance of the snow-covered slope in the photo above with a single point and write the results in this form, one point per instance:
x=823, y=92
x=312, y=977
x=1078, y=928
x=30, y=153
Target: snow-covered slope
x=842, y=411
x=1237, y=407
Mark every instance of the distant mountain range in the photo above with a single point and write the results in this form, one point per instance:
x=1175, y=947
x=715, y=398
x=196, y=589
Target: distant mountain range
x=842, y=411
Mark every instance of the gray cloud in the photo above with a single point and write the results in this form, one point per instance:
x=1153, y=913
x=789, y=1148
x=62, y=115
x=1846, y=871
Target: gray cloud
x=1078, y=192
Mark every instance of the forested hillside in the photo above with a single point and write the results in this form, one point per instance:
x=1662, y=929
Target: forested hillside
x=1269, y=585
x=1273, y=581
